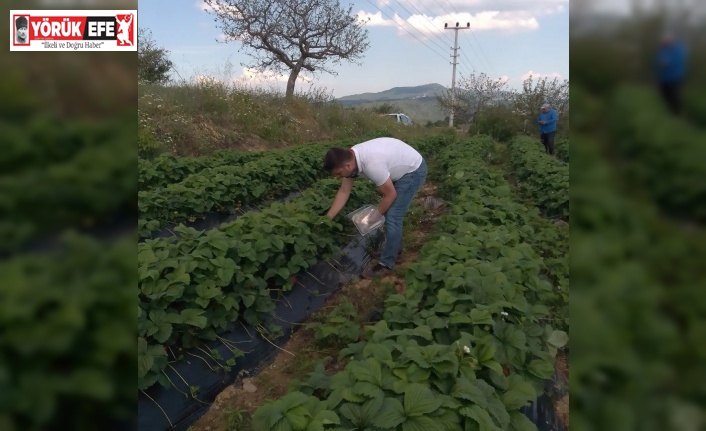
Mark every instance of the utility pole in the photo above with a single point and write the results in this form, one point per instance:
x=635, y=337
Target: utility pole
x=453, y=74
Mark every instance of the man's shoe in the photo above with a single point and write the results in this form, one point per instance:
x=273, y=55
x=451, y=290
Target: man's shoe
x=378, y=270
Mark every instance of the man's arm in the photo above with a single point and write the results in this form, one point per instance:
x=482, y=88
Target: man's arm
x=388, y=196
x=344, y=192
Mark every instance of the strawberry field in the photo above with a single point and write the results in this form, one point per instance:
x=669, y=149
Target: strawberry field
x=468, y=343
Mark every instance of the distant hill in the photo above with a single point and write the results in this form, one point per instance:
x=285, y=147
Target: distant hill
x=418, y=102
x=420, y=91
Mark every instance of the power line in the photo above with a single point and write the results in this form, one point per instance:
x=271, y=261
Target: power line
x=466, y=68
x=441, y=34
x=413, y=26
x=402, y=27
x=448, y=38
x=465, y=62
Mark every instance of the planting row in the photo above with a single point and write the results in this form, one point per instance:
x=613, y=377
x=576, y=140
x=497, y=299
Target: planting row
x=541, y=178
x=639, y=280
x=225, y=188
x=662, y=155
x=92, y=184
x=494, y=204
x=45, y=140
x=198, y=285
x=465, y=348
x=168, y=169
x=562, y=150
x=68, y=347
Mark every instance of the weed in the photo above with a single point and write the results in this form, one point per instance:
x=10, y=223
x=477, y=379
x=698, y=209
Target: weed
x=237, y=419
x=339, y=328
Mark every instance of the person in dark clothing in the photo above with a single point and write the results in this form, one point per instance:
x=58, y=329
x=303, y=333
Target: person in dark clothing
x=547, y=127
x=671, y=59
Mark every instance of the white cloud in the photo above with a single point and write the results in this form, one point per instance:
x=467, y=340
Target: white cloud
x=430, y=26
x=429, y=16
x=537, y=75
x=535, y=7
x=378, y=20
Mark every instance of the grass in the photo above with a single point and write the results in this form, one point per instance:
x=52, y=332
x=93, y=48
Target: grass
x=199, y=118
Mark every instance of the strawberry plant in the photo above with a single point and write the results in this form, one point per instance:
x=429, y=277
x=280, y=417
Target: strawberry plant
x=198, y=285
x=45, y=140
x=295, y=412
x=650, y=141
x=77, y=190
x=226, y=188
x=338, y=328
x=644, y=302
x=484, y=198
x=68, y=349
x=470, y=342
x=168, y=169
x=541, y=178
x=227, y=185
x=562, y=150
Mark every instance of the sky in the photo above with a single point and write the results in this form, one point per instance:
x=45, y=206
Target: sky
x=507, y=39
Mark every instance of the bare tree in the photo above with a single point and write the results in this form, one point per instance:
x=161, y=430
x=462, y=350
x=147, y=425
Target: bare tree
x=535, y=93
x=292, y=35
x=473, y=93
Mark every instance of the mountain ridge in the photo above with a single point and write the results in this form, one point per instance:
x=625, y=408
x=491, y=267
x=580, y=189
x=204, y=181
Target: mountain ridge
x=419, y=102
x=395, y=93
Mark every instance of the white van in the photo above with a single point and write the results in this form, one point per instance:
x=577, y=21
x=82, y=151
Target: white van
x=401, y=118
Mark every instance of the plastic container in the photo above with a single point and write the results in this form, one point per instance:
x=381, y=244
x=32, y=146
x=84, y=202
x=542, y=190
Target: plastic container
x=359, y=216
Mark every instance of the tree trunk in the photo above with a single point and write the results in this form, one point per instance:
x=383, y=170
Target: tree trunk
x=292, y=80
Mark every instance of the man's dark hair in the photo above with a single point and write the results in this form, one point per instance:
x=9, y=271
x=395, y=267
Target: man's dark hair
x=335, y=158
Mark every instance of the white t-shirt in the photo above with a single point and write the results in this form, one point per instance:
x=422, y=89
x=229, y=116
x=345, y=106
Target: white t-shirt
x=383, y=158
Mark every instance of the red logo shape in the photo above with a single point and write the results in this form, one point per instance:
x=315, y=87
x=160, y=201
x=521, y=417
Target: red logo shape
x=126, y=30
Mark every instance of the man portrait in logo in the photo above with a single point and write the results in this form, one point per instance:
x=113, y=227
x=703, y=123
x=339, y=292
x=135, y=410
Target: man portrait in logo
x=21, y=30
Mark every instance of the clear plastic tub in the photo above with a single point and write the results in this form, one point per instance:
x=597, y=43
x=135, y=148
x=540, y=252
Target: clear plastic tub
x=359, y=219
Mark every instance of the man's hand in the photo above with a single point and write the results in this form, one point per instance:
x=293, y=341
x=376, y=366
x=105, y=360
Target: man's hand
x=323, y=220
x=542, y=122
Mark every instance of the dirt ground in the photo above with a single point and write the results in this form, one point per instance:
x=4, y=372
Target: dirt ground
x=232, y=407
x=561, y=407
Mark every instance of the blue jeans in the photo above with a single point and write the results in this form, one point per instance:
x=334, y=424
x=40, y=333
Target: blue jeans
x=406, y=188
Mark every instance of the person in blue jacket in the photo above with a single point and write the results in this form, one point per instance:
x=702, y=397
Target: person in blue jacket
x=671, y=59
x=547, y=127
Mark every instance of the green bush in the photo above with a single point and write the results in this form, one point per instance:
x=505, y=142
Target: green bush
x=496, y=121
x=695, y=103
x=147, y=145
